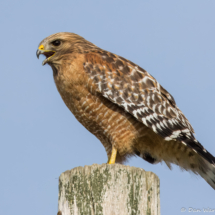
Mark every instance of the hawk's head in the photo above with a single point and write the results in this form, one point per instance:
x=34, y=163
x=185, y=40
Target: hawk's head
x=59, y=44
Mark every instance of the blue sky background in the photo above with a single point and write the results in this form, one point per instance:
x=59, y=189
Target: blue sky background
x=40, y=138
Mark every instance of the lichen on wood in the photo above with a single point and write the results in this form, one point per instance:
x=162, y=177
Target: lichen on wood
x=108, y=190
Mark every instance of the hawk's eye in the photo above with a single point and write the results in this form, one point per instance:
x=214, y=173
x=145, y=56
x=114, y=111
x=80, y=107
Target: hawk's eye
x=56, y=42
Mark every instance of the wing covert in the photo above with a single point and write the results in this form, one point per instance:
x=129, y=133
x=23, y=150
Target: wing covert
x=134, y=89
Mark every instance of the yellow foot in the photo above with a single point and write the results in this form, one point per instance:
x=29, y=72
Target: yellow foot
x=113, y=156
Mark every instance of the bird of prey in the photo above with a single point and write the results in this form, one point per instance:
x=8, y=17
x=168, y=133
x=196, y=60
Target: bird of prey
x=123, y=106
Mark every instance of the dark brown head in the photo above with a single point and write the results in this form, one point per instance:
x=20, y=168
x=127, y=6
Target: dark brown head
x=57, y=45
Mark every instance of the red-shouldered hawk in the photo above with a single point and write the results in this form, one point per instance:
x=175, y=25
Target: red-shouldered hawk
x=123, y=106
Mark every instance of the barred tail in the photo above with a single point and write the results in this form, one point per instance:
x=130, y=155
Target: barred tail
x=207, y=171
x=205, y=160
x=190, y=156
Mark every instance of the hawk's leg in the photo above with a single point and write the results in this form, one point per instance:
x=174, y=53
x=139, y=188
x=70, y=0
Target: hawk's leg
x=112, y=158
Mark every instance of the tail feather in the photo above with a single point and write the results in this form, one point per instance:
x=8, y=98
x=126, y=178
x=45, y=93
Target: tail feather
x=205, y=160
x=207, y=171
x=190, y=156
x=197, y=147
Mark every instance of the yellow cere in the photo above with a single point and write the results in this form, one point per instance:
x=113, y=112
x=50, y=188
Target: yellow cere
x=41, y=47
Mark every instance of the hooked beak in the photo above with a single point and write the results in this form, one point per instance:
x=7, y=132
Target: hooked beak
x=47, y=53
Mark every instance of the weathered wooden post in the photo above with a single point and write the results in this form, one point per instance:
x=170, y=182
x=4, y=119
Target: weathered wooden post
x=108, y=190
